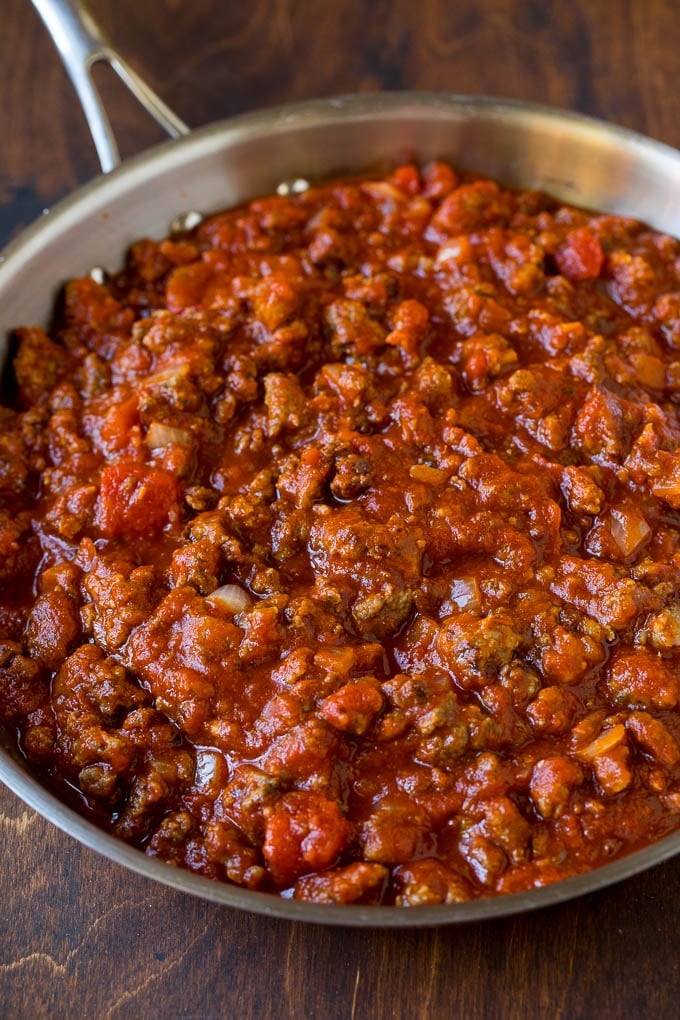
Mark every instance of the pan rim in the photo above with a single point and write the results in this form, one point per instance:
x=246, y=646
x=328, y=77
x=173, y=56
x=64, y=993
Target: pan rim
x=313, y=112
x=35, y=795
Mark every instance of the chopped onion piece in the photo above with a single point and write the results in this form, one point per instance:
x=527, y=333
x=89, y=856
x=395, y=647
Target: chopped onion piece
x=160, y=435
x=171, y=375
x=383, y=191
x=667, y=485
x=629, y=529
x=457, y=249
x=205, y=767
x=465, y=593
x=231, y=598
x=210, y=770
x=607, y=741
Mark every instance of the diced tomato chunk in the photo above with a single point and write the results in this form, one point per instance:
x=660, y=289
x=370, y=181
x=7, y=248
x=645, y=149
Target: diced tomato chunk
x=353, y=708
x=438, y=180
x=407, y=179
x=305, y=832
x=580, y=257
x=118, y=423
x=187, y=285
x=135, y=500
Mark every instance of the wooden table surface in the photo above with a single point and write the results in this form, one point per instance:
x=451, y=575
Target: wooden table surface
x=78, y=935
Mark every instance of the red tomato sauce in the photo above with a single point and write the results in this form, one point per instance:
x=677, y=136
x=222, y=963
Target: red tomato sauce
x=339, y=542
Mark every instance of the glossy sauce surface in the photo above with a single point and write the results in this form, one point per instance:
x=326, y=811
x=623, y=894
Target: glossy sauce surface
x=339, y=545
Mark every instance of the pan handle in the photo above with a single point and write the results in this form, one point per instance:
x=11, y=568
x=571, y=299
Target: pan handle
x=81, y=45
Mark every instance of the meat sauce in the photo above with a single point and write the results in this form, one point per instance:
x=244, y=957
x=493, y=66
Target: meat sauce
x=339, y=542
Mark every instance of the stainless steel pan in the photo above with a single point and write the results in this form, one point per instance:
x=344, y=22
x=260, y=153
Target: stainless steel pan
x=579, y=160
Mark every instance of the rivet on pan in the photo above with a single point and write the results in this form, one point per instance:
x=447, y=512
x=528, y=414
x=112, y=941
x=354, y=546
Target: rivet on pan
x=293, y=187
x=186, y=221
x=98, y=274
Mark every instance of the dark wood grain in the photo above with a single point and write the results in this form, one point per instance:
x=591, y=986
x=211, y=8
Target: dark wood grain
x=77, y=934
